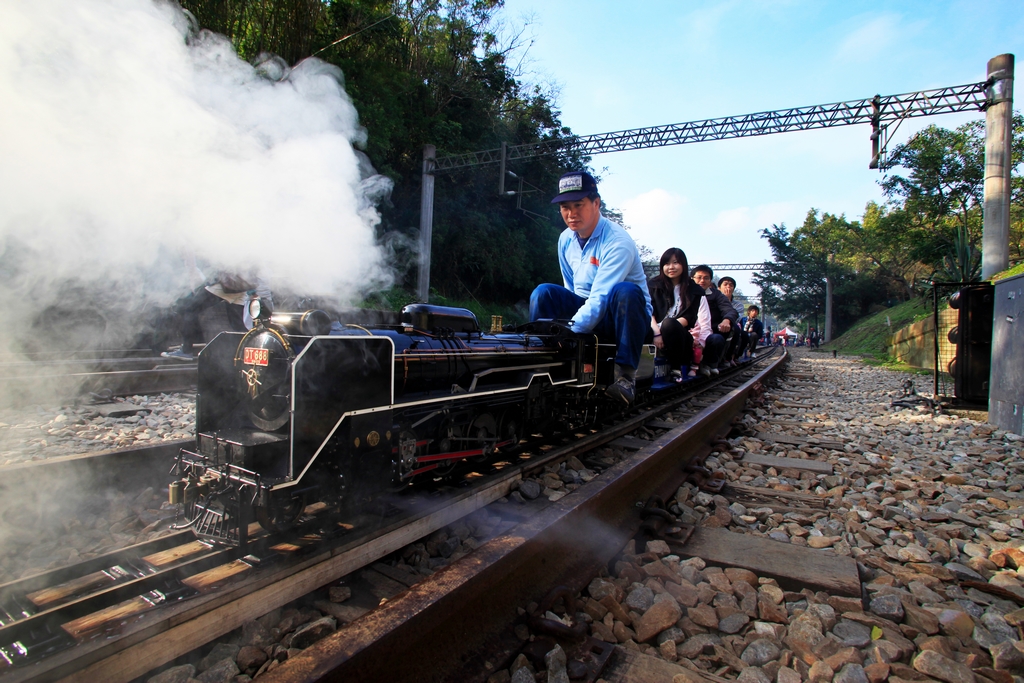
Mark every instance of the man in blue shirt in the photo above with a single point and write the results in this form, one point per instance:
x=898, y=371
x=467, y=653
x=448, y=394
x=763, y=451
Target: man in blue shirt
x=605, y=290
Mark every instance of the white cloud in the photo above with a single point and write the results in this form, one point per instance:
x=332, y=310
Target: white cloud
x=748, y=221
x=657, y=218
x=871, y=40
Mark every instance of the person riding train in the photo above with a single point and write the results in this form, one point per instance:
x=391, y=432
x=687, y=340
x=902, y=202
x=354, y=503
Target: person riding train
x=605, y=289
x=678, y=304
x=723, y=319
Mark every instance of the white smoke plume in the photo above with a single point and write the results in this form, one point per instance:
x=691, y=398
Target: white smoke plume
x=128, y=142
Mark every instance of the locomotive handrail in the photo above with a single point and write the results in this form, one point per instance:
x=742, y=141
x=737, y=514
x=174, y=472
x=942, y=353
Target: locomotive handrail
x=489, y=371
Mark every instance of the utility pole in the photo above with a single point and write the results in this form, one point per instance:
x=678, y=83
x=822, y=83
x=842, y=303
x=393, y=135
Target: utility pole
x=426, y=221
x=995, y=243
x=828, y=308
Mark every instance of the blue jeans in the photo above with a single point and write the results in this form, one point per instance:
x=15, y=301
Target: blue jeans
x=624, y=322
x=714, y=347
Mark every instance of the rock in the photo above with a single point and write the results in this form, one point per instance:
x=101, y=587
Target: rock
x=807, y=628
x=220, y=652
x=685, y=593
x=888, y=607
x=963, y=573
x=877, y=672
x=753, y=674
x=820, y=672
x=770, y=611
x=842, y=657
x=623, y=633
x=529, y=489
x=920, y=619
x=618, y=612
x=1007, y=657
x=600, y=631
x=176, y=674
x=935, y=665
x=760, y=652
x=996, y=623
x=843, y=604
x=599, y=588
x=821, y=541
x=522, y=675
x=221, y=672
x=658, y=547
x=733, y=623
x=736, y=575
x=702, y=643
x=555, y=662
x=956, y=623
x=640, y=598
x=787, y=675
x=851, y=673
x=256, y=634
x=825, y=614
x=672, y=633
x=312, y=632
x=913, y=553
x=703, y=615
x=659, y=617
x=884, y=651
x=975, y=550
x=339, y=593
x=250, y=658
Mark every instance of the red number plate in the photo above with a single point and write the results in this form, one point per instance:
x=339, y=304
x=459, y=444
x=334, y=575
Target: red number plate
x=254, y=356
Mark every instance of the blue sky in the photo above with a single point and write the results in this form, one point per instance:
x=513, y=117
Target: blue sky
x=619, y=65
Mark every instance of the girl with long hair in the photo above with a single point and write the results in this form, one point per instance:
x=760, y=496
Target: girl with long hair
x=681, y=316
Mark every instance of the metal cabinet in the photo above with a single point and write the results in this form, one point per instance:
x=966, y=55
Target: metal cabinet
x=1006, y=395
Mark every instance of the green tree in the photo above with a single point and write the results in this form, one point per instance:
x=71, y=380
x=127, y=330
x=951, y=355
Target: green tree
x=941, y=193
x=813, y=273
x=430, y=72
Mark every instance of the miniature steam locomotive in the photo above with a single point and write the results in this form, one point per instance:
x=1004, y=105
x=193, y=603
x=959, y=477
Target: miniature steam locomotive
x=302, y=409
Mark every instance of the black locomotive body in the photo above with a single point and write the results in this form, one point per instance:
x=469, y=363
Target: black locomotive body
x=300, y=409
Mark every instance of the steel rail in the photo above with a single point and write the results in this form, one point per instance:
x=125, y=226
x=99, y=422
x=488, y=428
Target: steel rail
x=430, y=631
x=878, y=110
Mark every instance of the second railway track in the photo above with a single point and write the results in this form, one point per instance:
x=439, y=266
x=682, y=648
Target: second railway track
x=131, y=598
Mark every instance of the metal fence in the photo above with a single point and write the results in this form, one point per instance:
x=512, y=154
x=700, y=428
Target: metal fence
x=946, y=338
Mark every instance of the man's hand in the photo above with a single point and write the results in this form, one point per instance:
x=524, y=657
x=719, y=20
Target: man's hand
x=659, y=342
x=725, y=326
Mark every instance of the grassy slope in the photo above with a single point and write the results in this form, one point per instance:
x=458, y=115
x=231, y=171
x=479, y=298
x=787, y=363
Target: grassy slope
x=870, y=336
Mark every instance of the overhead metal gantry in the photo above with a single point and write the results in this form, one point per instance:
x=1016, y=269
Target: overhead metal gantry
x=994, y=96
x=877, y=111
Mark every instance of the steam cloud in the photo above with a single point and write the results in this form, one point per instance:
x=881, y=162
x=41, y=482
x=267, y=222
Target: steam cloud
x=128, y=142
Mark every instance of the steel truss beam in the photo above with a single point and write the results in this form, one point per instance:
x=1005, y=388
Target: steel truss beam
x=877, y=110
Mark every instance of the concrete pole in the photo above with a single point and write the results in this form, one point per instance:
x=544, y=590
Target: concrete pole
x=426, y=221
x=501, y=170
x=995, y=243
x=828, y=309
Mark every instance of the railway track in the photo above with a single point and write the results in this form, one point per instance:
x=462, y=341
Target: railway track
x=118, y=616
x=55, y=377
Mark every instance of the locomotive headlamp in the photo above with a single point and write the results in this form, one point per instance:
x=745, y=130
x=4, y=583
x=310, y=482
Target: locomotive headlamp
x=254, y=308
x=259, y=310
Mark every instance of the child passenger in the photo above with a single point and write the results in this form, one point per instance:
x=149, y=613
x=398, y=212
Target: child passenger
x=679, y=307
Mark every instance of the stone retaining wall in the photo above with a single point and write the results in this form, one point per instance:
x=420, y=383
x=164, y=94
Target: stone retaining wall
x=915, y=345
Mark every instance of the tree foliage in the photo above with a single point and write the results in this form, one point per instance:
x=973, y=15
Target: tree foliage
x=930, y=229
x=430, y=72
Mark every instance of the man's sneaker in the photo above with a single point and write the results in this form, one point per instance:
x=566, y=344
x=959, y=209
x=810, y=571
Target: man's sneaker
x=676, y=375
x=704, y=370
x=714, y=371
x=621, y=390
x=177, y=354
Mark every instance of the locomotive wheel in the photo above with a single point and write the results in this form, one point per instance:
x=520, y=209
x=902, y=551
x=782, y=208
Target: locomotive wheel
x=281, y=514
